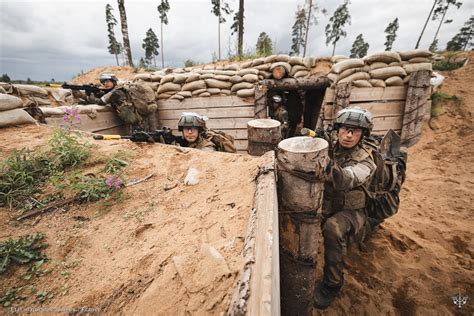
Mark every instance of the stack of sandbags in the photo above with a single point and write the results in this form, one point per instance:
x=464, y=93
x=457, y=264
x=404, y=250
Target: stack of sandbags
x=11, y=112
x=416, y=60
x=237, y=79
x=383, y=69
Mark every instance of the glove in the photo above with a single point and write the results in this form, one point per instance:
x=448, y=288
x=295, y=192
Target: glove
x=92, y=99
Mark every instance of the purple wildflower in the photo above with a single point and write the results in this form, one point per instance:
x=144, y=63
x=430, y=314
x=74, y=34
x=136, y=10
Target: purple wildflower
x=109, y=181
x=117, y=183
x=113, y=182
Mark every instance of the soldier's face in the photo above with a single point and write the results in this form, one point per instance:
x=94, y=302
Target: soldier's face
x=190, y=134
x=349, y=136
x=108, y=84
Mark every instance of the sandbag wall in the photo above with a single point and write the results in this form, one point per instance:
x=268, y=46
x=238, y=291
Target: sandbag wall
x=384, y=69
x=224, y=80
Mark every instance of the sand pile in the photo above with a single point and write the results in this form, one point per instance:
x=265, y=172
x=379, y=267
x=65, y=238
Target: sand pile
x=165, y=247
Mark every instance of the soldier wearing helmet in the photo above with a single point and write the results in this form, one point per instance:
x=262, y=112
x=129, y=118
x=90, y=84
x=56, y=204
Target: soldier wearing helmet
x=193, y=127
x=344, y=217
x=109, y=83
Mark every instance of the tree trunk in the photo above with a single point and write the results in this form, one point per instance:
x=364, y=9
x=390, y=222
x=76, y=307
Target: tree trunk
x=162, y=56
x=219, y=34
x=126, y=42
x=440, y=23
x=467, y=41
x=263, y=135
x=307, y=28
x=241, y=29
x=426, y=23
x=116, y=59
x=333, y=49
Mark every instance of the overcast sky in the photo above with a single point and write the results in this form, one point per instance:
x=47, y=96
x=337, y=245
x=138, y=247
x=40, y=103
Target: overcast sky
x=58, y=39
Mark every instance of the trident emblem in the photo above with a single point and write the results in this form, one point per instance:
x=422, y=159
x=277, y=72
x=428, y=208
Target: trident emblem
x=459, y=300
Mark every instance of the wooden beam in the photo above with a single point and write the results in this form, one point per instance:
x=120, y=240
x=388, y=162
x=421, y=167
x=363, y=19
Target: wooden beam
x=212, y=113
x=99, y=122
x=189, y=104
x=383, y=122
x=261, y=101
x=297, y=83
x=220, y=123
x=370, y=94
x=377, y=109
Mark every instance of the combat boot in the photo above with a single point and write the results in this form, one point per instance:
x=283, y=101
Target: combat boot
x=324, y=295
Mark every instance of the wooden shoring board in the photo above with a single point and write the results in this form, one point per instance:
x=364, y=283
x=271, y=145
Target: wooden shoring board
x=211, y=113
x=101, y=122
x=191, y=104
x=383, y=122
x=370, y=94
x=258, y=289
x=217, y=124
x=391, y=108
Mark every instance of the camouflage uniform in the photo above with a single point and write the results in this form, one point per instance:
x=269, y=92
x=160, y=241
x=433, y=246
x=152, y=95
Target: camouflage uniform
x=344, y=216
x=203, y=144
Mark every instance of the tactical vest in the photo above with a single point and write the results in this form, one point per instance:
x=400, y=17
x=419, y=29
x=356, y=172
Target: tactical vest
x=354, y=199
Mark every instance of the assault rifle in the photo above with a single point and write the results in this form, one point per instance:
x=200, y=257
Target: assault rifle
x=88, y=88
x=140, y=136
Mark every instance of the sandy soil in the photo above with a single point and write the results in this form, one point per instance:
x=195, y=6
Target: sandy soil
x=165, y=247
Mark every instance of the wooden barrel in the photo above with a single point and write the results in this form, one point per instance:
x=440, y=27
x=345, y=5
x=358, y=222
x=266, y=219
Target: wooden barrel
x=263, y=135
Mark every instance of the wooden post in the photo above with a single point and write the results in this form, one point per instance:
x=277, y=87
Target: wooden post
x=263, y=135
x=418, y=88
x=301, y=162
x=261, y=101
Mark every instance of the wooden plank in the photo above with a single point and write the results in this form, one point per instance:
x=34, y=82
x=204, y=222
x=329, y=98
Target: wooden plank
x=383, y=122
x=102, y=121
x=224, y=112
x=223, y=123
x=204, y=103
x=378, y=109
x=241, y=144
x=370, y=94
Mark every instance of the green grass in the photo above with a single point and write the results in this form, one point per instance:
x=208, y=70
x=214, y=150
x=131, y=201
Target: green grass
x=437, y=100
x=449, y=63
x=22, y=250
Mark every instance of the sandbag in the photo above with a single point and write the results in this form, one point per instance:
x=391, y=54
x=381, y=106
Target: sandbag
x=406, y=80
x=231, y=67
x=332, y=77
x=270, y=59
x=155, y=77
x=167, y=78
x=195, y=85
x=296, y=68
x=244, y=93
x=3, y=91
x=225, y=92
x=165, y=95
x=222, y=78
x=258, y=61
x=282, y=58
x=9, y=102
x=144, y=77
x=419, y=60
x=48, y=111
x=192, y=76
x=250, y=78
x=309, y=62
x=177, y=97
x=30, y=90
x=153, y=85
x=242, y=85
x=198, y=91
x=384, y=57
x=377, y=83
x=283, y=64
x=250, y=71
x=355, y=76
x=246, y=64
x=186, y=94
x=421, y=52
x=264, y=67
x=209, y=67
x=337, y=58
x=180, y=78
x=214, y=90
x=229, y=73
x=394, y=81
x=409, y=68
x=212, y=83
x=15, y=117
x=179, y=70
x=346, y=64
x=7, y=86
x=169, y=86
x=384, y=73
x=236, y=79
x=208, y=76
x=361, y=84
x=301, y=73
x=395, y=63
x=296, y=60
x=205, y=94
x=346, y=73
x=264, y=74
x=378, y=65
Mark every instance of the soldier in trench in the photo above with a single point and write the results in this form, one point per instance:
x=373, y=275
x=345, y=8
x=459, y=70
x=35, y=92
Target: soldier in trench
x=344, y=217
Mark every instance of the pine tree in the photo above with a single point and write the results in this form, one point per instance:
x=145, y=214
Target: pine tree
x=114, y=47
x=142, y=63
x=220, y=7
x=334, y=29
x=163, y=9
x=150, y=44
x=264, y=45
x=312, y=9
x=5, y=78
x=238, y=27
x=359, y=47
x=440, y=11
x=461, y=40
x=298, y=31
x=391, y=32
x=126, y=41
x=426, y=23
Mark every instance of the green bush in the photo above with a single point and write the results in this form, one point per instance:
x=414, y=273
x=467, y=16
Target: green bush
x=90, y=189
x=438, y=98
x=449, y=63
x=66, y=150
x=22, y=250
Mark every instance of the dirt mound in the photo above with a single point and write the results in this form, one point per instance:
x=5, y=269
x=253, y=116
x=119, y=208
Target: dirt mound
x=93, y=75
x=423, y=256
x=163, y=247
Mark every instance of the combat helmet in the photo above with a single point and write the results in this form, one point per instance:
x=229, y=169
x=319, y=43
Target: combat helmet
x=108, y=76
x=191, y=119
x=355, y=117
